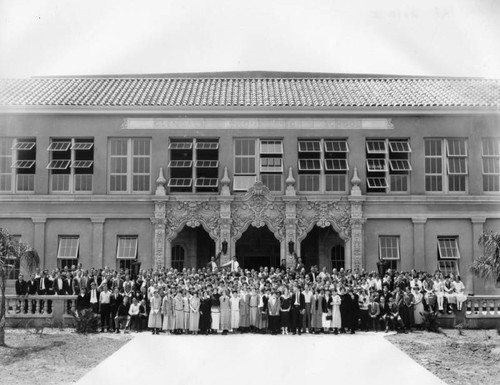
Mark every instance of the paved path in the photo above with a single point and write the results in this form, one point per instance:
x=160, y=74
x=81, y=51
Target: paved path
x=259, y=359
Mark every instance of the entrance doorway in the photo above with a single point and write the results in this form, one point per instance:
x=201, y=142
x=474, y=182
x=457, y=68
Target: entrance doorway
x=322, y=247
x=192, y=247
x=258, y=247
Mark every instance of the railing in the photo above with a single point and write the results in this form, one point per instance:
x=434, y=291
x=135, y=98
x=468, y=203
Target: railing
x=56, y=309
x=483, y=306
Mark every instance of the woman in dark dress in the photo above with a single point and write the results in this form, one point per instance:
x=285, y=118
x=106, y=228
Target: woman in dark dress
x=286, y=303
x=205, y=317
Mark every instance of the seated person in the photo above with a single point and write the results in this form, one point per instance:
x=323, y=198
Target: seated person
x=122, y=314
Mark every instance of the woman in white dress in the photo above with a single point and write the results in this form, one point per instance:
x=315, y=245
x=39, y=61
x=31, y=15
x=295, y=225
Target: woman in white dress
x=234, y=303
x=459, y=292
x=154, y=321
x=194, y=314
x=336, y=317
x=167, y=309
x=438, y=286
x=418, y=307
x=326, y=317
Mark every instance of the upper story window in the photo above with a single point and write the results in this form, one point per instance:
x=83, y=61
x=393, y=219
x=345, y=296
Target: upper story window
x=194, y=165
x=71, y=165
x=323, y=165
x=129, y=165
x=446, y=165
x=258, y=159
x=68, y=251
x=17, y=165
x=448, y=255
x=491, y=164
x=388, y=165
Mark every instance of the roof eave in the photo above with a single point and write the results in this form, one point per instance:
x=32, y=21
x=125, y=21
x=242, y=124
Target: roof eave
x=249, y=110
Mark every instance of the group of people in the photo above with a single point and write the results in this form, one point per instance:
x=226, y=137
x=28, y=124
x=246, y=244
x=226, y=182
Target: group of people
x=222, y=299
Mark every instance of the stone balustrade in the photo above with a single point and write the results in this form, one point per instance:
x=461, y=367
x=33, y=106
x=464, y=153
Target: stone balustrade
x=483, y=306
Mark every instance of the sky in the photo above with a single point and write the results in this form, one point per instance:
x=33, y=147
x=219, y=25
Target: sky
x=405, y=37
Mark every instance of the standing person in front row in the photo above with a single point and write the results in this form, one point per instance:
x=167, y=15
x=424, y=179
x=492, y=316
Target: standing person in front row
x=154, y=321
x=274, y=306
x=235, y=311
x=297, y=311
x=167, y=309
x=225, y=312
x=178, y=313
x=286, y=304
x=194, y=315
x=336, y=317
x=205, y=316
x=316, y=312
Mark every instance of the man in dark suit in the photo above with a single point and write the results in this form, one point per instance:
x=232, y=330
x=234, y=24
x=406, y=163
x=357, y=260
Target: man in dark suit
x=115, y=301
x=299, y=266
x=94, y=297
x=59, y=285
x=352, y=310
x=83, y=300
x=297, y=311
x=21, y=291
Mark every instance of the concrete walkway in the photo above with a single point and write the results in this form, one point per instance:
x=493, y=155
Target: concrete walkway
x=366, y=358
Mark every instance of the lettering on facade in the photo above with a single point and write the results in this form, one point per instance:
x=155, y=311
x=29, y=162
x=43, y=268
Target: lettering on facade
x=254, y=124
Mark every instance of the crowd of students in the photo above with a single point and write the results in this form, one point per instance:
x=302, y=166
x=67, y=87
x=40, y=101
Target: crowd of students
x=223, y=299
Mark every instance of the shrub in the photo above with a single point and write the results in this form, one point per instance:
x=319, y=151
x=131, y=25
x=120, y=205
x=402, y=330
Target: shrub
x=86, y=321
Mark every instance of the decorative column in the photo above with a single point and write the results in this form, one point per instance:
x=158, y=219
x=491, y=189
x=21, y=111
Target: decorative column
x=477, y=250
x=225, y=198
x=356, y=222
x=97, y=241
x=159, y=222
x=39, y=238
x=419, y=243
x=290, y=199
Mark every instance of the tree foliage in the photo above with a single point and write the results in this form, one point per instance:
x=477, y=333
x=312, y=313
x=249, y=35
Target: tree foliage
x=487, y=265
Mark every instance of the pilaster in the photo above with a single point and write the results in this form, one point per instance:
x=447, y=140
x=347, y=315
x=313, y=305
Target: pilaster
x=39, y=238
x=97, y=241
x=477, y=230
x=159, y=221
x=419, y=262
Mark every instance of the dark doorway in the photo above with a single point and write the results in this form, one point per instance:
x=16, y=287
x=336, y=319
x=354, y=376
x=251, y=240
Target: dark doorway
x=258, y=247
x=316, y=248
x=197, y=248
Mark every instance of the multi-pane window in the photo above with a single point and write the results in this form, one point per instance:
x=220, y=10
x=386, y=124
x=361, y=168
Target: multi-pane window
x=491, y=164
x=68, y=251
x=194, y=165
x=323, y=165
x=129, y=165
x=338, y=257
x=448, y=255
x=17, y=164
x=446, y=165
x=388, y=165
x=258, y=159
x=178, y=257
x=126, y=251
x=71, y=165
x=388, y=247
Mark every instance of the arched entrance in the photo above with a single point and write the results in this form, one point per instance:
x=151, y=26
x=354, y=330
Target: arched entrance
x=323, y=247
x=192, y=247
x=258, y=247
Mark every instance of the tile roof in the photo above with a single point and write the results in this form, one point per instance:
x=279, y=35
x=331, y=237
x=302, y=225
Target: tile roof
x=250, y=92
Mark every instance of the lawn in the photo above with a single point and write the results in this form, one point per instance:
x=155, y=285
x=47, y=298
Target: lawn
x=54, y=357
x=468, y=357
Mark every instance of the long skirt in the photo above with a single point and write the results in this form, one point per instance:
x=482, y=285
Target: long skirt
x=407, y=315
x=451, y=298
x=285, y=319
x=263, y=321
x=235, y=319
x=186, y=320
x=225, y=319
x=336, y=317
x=215, y=318
x=326, y=323
x=154, y=320
x=168, y=322
x=418, y=311
x=244, y=320
x=316, y=321
x=274, y=323
x=194, y=321
x=179, y=319
x=254, y=313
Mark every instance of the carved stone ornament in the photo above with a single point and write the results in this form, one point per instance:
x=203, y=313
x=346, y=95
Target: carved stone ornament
x=258, y=208
x=323, y=214
x=192, y=214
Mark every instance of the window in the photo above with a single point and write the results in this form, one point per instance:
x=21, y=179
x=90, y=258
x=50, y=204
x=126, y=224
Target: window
x=389, y=251
x=491, y=164
x=129, y=165
x=71, y=165
x=338, y=257
x=446, y=165
x=194, y=165
x=126, y=251
x=68, y=251
x=448, y=255
x=267, y=154
x=323, y=165
x=17, y=165
x=13, y=267
x=388, y=165
x=178, y=257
